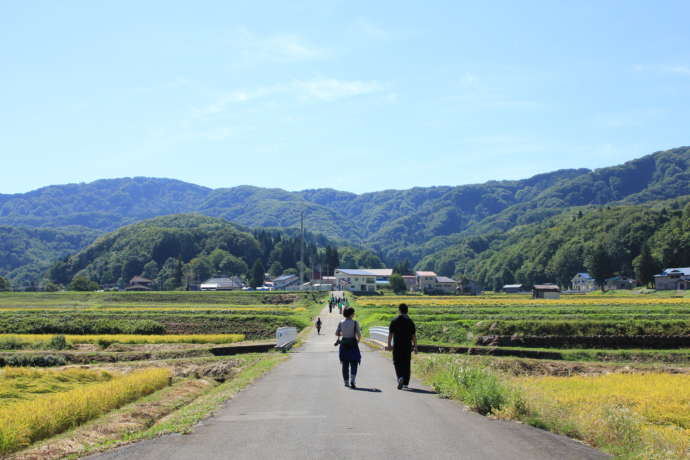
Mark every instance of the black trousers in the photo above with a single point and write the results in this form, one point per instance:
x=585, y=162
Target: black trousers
x=349, y=370
x=401, y=361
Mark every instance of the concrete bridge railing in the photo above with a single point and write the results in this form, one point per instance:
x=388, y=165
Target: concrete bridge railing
x=285, y=337
x=379, y=333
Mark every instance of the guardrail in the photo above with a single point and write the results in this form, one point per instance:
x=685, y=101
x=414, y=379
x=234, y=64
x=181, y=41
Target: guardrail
x=285, y=337
x=379, y=333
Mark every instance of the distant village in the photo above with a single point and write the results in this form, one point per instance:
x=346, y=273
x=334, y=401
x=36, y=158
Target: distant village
x=373, y=280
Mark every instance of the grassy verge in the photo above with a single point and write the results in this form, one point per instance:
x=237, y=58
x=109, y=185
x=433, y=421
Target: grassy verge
x=638, y=415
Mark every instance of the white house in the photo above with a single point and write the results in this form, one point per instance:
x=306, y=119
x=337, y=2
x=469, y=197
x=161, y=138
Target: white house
x=583, y=282
x=426, y=281
x=355, y=280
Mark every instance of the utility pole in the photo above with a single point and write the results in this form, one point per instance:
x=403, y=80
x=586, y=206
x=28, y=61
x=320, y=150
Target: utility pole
x=301, y=250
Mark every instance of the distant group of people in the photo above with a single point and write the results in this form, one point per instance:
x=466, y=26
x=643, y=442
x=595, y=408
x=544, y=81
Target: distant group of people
x=337, y=302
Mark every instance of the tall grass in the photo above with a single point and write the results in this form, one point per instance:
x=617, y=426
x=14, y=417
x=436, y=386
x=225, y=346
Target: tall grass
x=26, y=422
x=640, y=416
x=477, y=386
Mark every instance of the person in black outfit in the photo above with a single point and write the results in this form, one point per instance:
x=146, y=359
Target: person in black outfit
x=403, y=335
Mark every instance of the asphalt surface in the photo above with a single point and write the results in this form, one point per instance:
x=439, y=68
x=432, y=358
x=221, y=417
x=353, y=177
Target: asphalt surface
x=302, y=410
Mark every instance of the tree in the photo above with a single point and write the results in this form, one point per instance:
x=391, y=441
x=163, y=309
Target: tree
x=150, y=270
x=276, y=269
x=4, y=285
x=51, y=287
x=403, y=268
x=82, y=283
x=231, y=265
x=645, y=266
x=599, y=265
x=397, y=283
x=257, y=274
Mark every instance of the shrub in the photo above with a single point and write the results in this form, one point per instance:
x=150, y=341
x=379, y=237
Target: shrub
x=58, y=342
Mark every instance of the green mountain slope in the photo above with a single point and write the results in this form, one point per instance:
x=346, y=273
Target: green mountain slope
x=182, y=249
x=555, y=249
x=26, y=253
x=396, y=224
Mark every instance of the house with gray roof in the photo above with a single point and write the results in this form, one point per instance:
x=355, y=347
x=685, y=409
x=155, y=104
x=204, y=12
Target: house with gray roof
x=673, y=279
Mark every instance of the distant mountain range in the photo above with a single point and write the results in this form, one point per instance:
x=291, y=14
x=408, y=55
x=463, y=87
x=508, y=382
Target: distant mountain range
x=396, y=224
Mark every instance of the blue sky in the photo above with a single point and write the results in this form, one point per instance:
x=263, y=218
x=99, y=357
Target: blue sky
x=358, y=96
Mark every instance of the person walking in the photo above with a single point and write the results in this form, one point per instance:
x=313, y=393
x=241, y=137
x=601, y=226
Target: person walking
x=349, y=334
x=318, y=326
x=402, y=335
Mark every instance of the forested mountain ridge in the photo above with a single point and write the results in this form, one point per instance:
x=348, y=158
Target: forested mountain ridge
x=183, y=249
x=558, y=247
x=397, y=224
x=103, y=205
x=386, y=221
x=26, y=253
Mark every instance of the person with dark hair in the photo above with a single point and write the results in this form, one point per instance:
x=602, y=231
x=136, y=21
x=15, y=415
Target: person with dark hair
x=402, y=339
x=318, y=326
x=349, y=334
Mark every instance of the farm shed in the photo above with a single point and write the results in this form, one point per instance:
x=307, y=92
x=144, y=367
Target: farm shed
x=546, y=291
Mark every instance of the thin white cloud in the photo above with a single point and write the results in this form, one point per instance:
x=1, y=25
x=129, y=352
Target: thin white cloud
x=370, y=30
x=250, y=47
x=331, y=89
x=320, y=90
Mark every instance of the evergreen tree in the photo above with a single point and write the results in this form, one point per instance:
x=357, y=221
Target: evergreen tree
x=645, y=266
x=4, y=284
x=257, y=274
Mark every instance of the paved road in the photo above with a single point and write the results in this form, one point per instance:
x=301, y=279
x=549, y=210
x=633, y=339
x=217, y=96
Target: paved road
x=301, y=410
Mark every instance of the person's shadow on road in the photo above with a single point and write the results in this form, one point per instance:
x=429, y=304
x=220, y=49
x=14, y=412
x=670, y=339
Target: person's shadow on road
x=419, y=390
x=370, y=390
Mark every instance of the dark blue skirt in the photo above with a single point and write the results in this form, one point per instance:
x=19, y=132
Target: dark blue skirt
x=350, y=353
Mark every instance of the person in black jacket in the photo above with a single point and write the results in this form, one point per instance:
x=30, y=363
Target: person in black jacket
x=402, y=339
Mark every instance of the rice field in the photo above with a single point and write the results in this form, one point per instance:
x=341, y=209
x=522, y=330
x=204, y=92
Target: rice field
x=33, y=339
x=68, y=399
x=254, y=315
x=645, y=413
x=518, y=319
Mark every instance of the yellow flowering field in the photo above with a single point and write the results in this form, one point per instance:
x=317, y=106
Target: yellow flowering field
x=139, y=308
x=27, y=421
x=130, y=338
x=645, y=413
